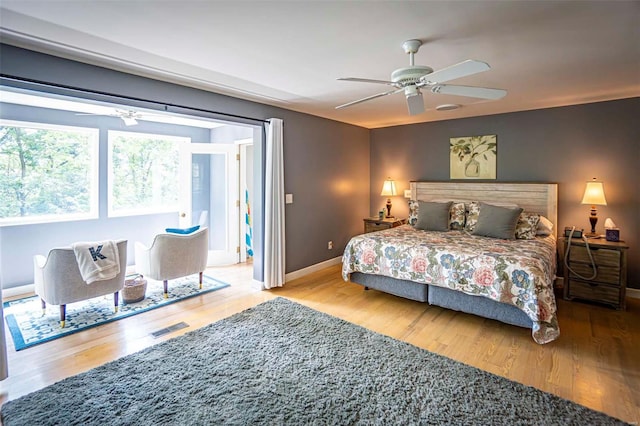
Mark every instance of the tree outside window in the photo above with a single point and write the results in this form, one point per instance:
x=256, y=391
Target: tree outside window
x=47, y=172
x=143, y=173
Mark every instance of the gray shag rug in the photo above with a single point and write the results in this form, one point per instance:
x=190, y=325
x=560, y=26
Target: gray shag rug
x=284, y=363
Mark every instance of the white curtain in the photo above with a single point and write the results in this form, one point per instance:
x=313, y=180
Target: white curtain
x=274, y=248
x=4, y=370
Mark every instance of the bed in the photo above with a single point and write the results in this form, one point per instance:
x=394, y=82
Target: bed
x=509, y=280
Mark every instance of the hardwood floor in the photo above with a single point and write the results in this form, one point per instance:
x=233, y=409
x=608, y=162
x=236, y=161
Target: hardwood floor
x=595, y=362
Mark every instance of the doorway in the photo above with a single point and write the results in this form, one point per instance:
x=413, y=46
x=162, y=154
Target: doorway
x=216, y=192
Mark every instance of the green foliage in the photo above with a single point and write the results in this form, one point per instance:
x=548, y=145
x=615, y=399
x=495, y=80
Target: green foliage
x=50, y=172
x=145, y=172
x=44, y=171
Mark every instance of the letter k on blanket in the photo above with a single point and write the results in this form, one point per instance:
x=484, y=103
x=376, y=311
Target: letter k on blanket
x=97, y=261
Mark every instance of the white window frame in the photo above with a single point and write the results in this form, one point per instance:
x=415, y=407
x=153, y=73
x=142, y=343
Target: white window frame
x=141, y=210
x=94, y=151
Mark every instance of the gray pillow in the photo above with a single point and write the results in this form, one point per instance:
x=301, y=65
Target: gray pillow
x=433, y=216
x=497, y=222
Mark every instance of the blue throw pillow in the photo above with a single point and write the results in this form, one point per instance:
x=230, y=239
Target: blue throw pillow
x=183, y=231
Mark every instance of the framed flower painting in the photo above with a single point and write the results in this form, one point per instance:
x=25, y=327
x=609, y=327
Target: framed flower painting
x=473, y=157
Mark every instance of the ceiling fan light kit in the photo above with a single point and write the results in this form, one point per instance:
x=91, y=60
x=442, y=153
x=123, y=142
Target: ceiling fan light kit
x=128, y=116
x=414, y=77
x=129, y=121
x=415, y=104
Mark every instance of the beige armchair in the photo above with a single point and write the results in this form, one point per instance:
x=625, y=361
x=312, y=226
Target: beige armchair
x=173, y=256
x=58, y=281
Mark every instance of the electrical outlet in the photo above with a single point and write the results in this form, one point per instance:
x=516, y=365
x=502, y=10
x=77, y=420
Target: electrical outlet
x=330, y=245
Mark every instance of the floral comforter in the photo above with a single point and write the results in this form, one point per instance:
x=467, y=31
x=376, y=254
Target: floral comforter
x=517, y=272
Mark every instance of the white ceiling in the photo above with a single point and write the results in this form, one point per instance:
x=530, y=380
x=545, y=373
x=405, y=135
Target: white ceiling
x=289, y=54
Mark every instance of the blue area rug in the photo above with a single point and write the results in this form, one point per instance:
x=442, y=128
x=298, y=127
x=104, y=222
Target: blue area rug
x=28, y=327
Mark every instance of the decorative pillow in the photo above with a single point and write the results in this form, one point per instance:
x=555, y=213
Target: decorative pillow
x=472, y=212
x=456, y=216
x=497, y=222
x=413, y=212
x=433, y=216
x=456, y=213
x=545, y=227
x=183, y=231
x=527, y=226
x=473, y=209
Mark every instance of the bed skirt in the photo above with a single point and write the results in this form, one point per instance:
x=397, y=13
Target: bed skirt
x=446, y=298
x=403, y=288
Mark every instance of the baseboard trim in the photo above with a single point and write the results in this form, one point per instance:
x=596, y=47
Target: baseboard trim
x=313, y=268
x=23, y=290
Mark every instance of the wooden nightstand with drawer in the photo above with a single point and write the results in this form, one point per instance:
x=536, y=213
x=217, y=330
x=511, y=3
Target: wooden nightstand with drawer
x=609, y=284
x=372, y=224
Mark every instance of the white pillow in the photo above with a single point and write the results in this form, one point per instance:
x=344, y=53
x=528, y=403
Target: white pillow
x=545, y=226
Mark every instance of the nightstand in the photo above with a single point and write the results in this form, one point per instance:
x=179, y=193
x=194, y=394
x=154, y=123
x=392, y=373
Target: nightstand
x=372, y=224
x=610, y=283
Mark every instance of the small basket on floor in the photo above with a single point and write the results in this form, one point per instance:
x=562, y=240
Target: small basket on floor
x=134, y=289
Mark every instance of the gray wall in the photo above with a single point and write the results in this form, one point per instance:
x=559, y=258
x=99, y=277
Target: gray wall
x=326, y=162
x=568, y=146
x=328, y=176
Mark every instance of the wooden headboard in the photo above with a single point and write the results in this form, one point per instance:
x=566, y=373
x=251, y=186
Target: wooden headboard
x=539, y=198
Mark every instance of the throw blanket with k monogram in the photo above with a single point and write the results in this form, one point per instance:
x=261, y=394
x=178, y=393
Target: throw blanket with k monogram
x=97, y=261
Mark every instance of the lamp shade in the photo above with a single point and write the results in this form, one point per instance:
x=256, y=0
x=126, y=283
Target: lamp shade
x=594, y=194
x=389, y=188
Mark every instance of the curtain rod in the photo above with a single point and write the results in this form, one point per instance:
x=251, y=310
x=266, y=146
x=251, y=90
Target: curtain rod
x=130, y=98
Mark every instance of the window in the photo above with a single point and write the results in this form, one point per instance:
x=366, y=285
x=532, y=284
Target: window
x=47, y=173
x=143, y=173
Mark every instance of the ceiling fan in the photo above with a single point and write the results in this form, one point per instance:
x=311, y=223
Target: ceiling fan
x=129, y=117
x=412, y=79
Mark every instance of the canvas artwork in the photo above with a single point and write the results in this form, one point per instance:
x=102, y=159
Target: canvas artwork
x=473, y=157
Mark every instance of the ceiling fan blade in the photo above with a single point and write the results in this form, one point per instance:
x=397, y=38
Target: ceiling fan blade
x=368, y=98
x=463, y=69
x=367, y=80
x=473, y=92
x=415, y=104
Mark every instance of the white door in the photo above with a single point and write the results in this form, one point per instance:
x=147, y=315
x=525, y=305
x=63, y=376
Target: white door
x=210, y=194
x=246, y=201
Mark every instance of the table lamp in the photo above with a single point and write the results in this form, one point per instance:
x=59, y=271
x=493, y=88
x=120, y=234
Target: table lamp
x=389, y=190
x=594, y=195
